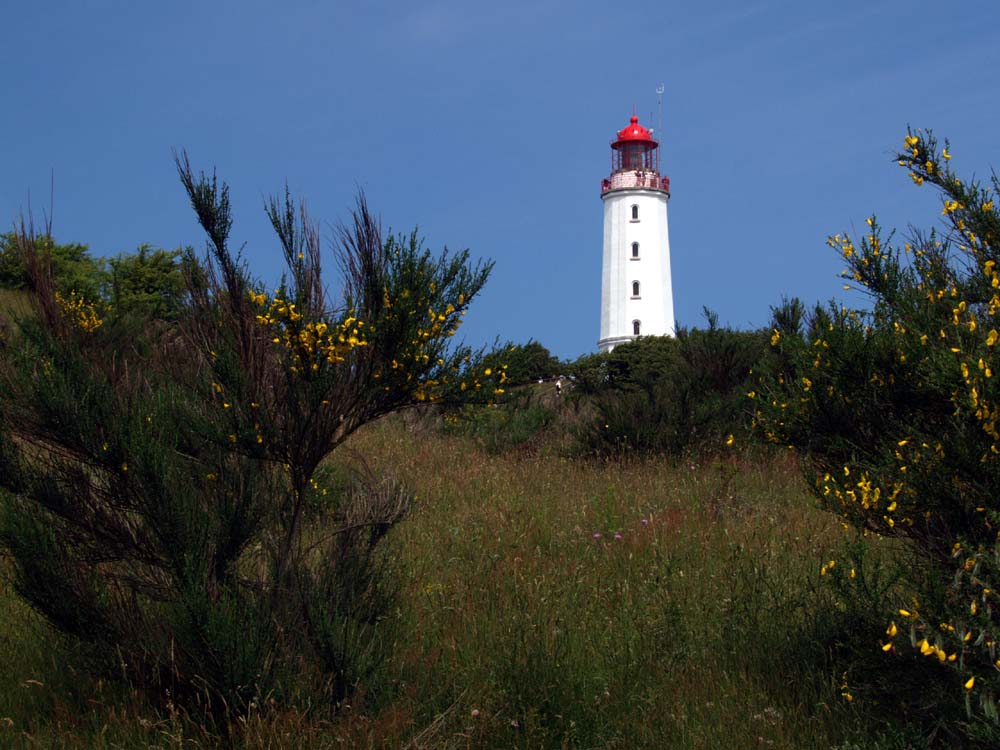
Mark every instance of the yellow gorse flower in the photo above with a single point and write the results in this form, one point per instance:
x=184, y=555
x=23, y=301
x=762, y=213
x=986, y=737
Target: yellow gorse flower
x=81, y=314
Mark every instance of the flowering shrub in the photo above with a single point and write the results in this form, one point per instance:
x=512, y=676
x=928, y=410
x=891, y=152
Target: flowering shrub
x=79, y=313
x=895, y=409
x=161, y=490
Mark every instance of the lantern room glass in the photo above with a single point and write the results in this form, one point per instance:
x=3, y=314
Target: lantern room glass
x=635, y=155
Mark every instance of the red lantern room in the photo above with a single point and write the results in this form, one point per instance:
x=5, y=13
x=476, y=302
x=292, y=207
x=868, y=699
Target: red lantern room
x=635, y=149
x=635, y=161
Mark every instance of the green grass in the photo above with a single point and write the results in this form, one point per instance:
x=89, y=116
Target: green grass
x=14, y=305
x=705, y=625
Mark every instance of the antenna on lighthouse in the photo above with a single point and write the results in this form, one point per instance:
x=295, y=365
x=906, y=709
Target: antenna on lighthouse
x=659, y=101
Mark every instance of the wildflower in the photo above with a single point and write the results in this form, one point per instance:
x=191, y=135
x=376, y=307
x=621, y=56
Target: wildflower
x=730, y=440
x=617, y=535
x=970, y=683
x=597, y=535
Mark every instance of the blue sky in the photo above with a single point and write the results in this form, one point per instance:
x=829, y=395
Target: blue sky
x=488, y=126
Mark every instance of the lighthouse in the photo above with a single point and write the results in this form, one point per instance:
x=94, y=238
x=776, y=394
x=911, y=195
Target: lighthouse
x=636, y=293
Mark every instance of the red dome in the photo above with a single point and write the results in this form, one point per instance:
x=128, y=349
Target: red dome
x=634, y=132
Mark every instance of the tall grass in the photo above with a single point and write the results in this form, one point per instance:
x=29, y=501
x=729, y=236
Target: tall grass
x=553, y=603
x=680, y=633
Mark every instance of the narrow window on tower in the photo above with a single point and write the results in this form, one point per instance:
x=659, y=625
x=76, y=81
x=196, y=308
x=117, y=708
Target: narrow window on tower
x=635, y=212
x=635, y=251
x=635, y=327
x=635, y=290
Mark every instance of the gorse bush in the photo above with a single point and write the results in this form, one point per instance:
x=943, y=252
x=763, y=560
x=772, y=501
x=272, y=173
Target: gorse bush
x=161, y=482
x=896, y=408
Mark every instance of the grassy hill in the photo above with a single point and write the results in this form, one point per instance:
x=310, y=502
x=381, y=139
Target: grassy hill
x=547, y=602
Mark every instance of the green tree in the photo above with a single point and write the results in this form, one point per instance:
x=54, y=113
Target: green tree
x=149, y=282
x=895, y=408
x=163, y=500
x=74, y=269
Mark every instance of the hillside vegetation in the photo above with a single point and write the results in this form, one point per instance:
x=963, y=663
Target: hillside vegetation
x=548, y=602
x=244, y=518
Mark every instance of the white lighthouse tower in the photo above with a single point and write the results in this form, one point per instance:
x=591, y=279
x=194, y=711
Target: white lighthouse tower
x=636, y=293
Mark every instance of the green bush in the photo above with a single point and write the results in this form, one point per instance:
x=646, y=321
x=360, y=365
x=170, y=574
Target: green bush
x=895, y=408
x=73, y=268
x=664, y=395
x=523, y=363
x=161, y=499
x=510, y=424
x=148, y=282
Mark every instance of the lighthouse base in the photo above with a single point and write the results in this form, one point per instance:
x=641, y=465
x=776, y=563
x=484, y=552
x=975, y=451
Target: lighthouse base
x=606, y=345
